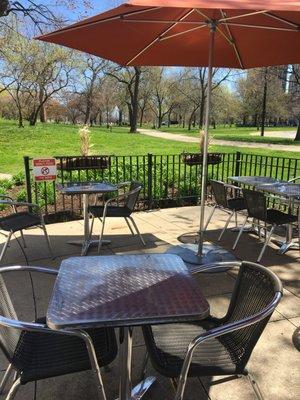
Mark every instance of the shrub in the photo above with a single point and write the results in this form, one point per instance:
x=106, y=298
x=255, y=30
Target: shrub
x=18, y=179
x=22, y=195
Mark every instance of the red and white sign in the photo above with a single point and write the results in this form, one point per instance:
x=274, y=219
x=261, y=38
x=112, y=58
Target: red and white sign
x=44, y=169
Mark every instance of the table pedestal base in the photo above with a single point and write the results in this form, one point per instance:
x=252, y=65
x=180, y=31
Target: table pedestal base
x=141, y=388
x=86, y=244
x=211, y=254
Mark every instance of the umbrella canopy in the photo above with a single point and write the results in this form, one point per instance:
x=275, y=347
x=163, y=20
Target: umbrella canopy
x=220, y=33
x=249, y=34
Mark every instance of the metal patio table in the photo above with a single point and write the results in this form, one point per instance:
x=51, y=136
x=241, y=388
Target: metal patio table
x=124, y=291
x=85, y=189
x=255, y=180
x=290, y=191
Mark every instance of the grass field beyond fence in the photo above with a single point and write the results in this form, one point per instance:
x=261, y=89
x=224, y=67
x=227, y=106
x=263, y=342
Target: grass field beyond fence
x=46, y=140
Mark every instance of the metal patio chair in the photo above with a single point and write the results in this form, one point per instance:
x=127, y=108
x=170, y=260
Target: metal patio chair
x=116, y=210
x=256, y=203
x=20, y=220
x=217, y=346
x=223, y=202
x=36, y=352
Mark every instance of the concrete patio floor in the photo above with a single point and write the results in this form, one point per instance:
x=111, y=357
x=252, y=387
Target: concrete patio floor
x=275, y=362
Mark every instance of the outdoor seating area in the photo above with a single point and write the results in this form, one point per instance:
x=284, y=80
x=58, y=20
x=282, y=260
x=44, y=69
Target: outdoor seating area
x=135, y=270
x=161, y=230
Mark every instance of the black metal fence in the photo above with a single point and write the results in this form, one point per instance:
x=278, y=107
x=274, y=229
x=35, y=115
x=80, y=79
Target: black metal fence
x=167, y=180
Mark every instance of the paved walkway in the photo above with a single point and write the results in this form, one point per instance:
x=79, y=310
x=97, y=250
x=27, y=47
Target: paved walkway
x=275, y=361
x=190, y=139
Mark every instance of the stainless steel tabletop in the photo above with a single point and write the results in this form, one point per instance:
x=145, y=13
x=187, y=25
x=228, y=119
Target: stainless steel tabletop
x=255, y=180
x=290, y=190
x=85, y=187
x=124, y=290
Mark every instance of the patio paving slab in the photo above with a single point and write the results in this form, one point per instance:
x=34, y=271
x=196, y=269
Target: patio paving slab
x=275, y=361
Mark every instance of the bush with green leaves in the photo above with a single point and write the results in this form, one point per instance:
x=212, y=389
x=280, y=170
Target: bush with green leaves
x=18, y=179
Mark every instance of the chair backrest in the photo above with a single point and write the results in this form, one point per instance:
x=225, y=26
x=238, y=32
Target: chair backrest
x=219, y=192
x=255, y=289
x=9, y=336
x=132, y=199
x=256, y=203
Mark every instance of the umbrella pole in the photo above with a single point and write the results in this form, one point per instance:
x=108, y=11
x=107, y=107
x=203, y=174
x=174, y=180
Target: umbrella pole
x=206, y=131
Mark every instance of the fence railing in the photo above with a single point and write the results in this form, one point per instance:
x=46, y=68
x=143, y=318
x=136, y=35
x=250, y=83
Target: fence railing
x=167, y=180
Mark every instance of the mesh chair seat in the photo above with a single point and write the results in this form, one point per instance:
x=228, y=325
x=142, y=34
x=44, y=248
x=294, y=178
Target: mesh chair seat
x=279, y=218
x=168, y=345
x=112, y=211
x=18, y=221
x=237, y=204
x=42, y=355
x=226, y=354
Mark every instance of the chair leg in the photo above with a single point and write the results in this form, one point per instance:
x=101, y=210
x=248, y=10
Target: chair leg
x=5, y=378
x=94, y=363
x=226, y=225
x=13, y=390
x=240, y=233
x=92, y=227
x=129, y=226
x=23, y=239
x=5, y=245
x=137, y=230
x=101, y=234
x=255, y=386
x=47, y=240
x=267, y=241
x=210, y=217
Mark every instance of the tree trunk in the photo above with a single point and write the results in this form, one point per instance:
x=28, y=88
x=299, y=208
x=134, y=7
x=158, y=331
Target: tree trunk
x=141, y=117
x=120, y=121
x=135, y=100
x=201, y=112
x=264, y=105
x=33, y=117
x=43, y=114
x=21, y=125
x=297, y=137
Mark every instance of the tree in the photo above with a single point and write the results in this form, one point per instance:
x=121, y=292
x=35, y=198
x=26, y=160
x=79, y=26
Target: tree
x=41, y=15
x=261, y=97
x=90, y=74
x=33, y=73
x=163, y=97
x=130, y=77
x=294, y=96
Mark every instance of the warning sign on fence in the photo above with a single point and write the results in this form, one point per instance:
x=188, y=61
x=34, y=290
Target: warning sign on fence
x=44, y=169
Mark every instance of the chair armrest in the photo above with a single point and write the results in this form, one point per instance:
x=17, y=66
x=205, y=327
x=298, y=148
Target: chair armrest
x=220, y=331
x=229, y=186
x=121, y=197
x=3, y=196
x=28, y=268
x=294, y=179
x=216, y=266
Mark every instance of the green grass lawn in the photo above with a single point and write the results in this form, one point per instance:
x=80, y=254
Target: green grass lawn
x=46, y=140
x=235, y=134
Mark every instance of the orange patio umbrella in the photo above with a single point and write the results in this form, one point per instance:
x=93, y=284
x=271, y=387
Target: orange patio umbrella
x=221, y=33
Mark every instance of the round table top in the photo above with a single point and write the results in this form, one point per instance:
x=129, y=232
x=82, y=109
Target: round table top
x=86, y=187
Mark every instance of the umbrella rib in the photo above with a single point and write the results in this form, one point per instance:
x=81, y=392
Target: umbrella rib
x=120, y=16
x=181, y=33
x=231, y=41
x=282, y=20
x=191, y=10
x=157, y=21
x=242, y=15
x=261, y=27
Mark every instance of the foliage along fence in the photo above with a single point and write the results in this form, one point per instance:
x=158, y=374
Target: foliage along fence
x=167, y=180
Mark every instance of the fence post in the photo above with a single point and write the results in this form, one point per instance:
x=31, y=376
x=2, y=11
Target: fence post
x=238, y=164
x=27, y=179
x=150, y=172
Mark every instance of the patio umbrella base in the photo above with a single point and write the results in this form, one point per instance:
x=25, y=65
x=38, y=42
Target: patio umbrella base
x=211, y=254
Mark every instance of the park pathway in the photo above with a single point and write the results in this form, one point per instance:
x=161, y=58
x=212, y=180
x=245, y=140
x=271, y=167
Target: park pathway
x=191, y=139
